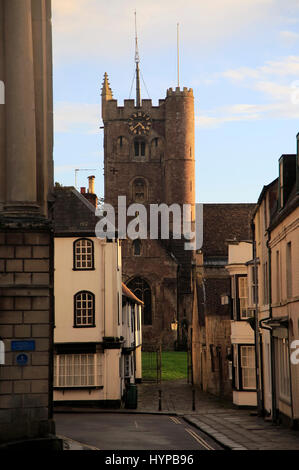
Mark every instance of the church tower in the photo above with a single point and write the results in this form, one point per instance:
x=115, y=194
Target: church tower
x=149, y=158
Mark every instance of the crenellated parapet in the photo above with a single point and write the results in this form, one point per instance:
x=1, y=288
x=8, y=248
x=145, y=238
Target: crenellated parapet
x=178, y=92
x=111, y=110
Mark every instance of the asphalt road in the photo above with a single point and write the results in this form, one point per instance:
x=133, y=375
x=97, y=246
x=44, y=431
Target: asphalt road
x=113, y=431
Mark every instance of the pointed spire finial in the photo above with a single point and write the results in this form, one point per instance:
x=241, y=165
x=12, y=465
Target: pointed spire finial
x=106, y=90
x=137, y=60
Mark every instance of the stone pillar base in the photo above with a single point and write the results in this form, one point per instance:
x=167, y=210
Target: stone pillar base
x=21, y=210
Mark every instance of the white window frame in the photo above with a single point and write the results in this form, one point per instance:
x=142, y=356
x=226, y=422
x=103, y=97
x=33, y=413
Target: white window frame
x=84, y=309
x=248, y=367
x=83, y=254
x=243, y=298
x=78, y=370
x=284, y=379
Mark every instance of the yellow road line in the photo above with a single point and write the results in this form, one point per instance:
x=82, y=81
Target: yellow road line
x=199, y=439
x=175, y=420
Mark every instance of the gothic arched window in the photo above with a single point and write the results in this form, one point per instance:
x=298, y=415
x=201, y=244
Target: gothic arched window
x=143, y=291
x=139, y=148
x=122, y=145
x=137, y=247
x=139, y=190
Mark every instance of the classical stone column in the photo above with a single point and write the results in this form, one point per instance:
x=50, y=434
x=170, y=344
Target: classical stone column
x=42, y=53
x=21, y=194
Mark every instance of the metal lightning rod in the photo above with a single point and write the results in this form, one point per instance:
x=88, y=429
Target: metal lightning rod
x=178, y=53
x=137, y=60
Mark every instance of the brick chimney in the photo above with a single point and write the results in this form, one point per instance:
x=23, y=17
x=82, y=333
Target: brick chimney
x=90, y=195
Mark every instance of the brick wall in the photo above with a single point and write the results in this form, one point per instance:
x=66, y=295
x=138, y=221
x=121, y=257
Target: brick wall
x=26, y=275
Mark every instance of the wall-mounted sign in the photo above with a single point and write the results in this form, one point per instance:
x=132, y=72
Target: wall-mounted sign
x=22, y=359
x=23, y=345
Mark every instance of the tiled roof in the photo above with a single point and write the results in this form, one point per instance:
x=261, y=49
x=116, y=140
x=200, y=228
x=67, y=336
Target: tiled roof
x=223, y=222
x=73, y=213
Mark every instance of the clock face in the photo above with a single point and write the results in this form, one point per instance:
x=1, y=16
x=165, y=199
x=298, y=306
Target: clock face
x=139, y=123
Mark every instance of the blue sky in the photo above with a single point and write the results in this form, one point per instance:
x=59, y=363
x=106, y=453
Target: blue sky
x=240, y=57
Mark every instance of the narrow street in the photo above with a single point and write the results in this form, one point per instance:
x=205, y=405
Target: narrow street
x=115, y=431
x=213, y=423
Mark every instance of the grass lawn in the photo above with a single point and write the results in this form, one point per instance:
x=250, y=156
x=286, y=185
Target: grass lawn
x=174, y=365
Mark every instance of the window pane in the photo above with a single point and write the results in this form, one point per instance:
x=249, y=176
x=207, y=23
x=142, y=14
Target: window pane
x=84, y=309
x=83, y=254
x=248, y=367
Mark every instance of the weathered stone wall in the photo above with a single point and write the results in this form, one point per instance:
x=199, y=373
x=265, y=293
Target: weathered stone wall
x=26, y=284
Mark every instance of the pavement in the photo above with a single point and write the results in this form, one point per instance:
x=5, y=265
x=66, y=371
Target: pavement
x=231, y=427
x=234, y=428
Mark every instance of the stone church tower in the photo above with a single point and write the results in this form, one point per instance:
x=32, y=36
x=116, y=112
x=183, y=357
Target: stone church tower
x=149, y=158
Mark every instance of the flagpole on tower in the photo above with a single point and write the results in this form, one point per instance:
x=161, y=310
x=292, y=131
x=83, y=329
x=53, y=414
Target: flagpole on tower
x=137, y=60
x=178, y=53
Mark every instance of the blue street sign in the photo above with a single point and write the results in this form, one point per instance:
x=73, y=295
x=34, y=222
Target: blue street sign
x=22, y=359
x=23, y=345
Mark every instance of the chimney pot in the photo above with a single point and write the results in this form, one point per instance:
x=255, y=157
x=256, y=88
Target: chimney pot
x=91, y=184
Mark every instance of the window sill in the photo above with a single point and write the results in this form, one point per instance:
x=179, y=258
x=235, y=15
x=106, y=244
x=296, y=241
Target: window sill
x=85, y=387
x=84, y=269
x=243, y=389
x=84, y=326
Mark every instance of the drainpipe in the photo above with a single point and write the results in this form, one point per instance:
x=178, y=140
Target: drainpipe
x=273, y=376
x=272, y=351
x=256, y=329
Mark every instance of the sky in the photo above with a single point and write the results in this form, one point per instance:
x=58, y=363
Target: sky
x=240, y=57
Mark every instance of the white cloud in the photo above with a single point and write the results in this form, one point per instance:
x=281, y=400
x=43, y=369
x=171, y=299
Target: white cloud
x=289, y=37
x=276, y=83
x=246, y=112
x=287, y=66
x=285, y=105
x=69, y=117
x=95, y=28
